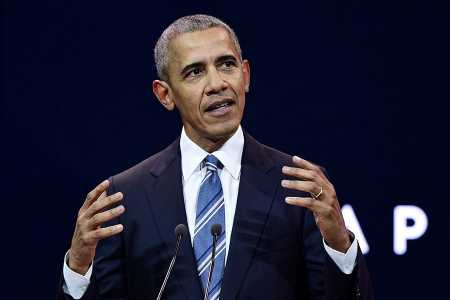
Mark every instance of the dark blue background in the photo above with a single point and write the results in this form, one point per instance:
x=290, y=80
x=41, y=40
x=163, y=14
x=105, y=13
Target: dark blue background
x=360, y=87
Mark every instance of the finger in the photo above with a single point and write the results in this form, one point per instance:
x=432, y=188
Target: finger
x=103, y=203
x=315, y=206
x=303, y=163
x=100, y=218
x=102, y=233
x=304, y=186
x=299, y=173
x=93, y=195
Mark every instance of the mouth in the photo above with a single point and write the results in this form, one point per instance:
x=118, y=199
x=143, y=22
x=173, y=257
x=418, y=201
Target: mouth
x=220, y=108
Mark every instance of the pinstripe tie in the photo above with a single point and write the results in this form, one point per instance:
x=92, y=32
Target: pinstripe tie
x=210, y=210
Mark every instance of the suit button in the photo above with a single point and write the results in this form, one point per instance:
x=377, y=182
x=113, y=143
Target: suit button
x=358, y=293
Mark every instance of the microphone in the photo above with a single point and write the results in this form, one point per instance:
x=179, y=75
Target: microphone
x=180, y=231
x=216, y=230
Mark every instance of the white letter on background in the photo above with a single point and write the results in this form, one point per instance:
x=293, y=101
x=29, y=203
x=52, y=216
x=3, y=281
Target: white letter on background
x=403, y=232
x=352, y=223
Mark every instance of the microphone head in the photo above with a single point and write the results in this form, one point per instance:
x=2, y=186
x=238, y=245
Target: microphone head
x=216, y=229
x=180, y=229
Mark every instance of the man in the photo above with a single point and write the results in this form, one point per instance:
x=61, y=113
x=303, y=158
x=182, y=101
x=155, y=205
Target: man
x=282, y=233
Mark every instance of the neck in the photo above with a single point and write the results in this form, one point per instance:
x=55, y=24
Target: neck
x=208, y=143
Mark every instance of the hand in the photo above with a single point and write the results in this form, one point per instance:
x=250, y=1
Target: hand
x=88, y=230
x=325, y=207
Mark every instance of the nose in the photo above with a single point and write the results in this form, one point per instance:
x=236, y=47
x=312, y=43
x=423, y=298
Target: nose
x=216, y=84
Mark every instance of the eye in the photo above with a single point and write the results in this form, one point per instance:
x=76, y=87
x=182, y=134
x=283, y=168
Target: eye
x=228, y=64
x=194, y=72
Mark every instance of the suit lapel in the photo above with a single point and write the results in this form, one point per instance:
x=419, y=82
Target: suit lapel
x=167, y=203
x=257, y=188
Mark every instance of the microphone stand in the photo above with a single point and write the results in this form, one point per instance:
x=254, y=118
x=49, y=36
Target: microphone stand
x=180, y=230
x=216, y=230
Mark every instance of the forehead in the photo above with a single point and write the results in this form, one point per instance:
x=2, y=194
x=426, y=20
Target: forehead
x=201, y=46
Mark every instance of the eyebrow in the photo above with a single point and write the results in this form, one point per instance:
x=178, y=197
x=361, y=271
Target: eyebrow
x=220, y=59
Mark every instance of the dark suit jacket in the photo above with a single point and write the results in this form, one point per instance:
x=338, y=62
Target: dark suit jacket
x=276, y=250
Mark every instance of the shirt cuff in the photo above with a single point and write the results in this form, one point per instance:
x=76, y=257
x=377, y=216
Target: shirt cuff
x=75, y=285
x=345, y=261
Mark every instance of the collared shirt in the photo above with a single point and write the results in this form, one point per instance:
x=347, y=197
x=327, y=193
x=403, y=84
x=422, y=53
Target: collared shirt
x=230, y=155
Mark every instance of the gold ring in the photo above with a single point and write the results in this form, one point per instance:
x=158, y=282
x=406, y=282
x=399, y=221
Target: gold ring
x=316, y=196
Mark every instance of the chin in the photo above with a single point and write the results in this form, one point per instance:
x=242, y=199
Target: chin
x=223, y=130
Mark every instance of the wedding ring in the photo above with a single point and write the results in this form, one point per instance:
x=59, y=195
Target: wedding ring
x=316, y=196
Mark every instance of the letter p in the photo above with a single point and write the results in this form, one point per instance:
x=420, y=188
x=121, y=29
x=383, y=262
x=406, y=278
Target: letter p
x=403, y=232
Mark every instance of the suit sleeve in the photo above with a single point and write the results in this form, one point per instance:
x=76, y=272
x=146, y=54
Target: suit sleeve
x=325, y=279
x=108, y=279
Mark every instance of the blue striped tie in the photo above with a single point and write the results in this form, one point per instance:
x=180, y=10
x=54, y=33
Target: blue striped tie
x=210, y=210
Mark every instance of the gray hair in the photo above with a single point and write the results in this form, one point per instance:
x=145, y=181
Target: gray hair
x=184, y=25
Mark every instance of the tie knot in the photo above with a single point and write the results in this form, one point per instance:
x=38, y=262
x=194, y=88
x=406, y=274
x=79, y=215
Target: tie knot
x=212, y=163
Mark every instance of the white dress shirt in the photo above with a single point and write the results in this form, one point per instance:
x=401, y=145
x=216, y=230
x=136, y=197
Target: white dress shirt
x=230, y=155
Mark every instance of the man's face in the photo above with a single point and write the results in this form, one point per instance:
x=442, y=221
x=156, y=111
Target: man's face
x=208, y=83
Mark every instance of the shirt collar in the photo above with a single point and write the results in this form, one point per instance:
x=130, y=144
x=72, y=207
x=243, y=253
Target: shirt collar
x=229, y=154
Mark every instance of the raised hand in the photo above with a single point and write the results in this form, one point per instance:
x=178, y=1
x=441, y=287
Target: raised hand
x=89, y=230
x=323, y=201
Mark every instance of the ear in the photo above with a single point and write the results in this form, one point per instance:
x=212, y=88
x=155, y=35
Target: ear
x=162, y=91
x=246, y=73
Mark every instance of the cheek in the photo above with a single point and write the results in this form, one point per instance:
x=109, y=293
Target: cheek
x=239, y=84
x=189, y=102
x=240, y=91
